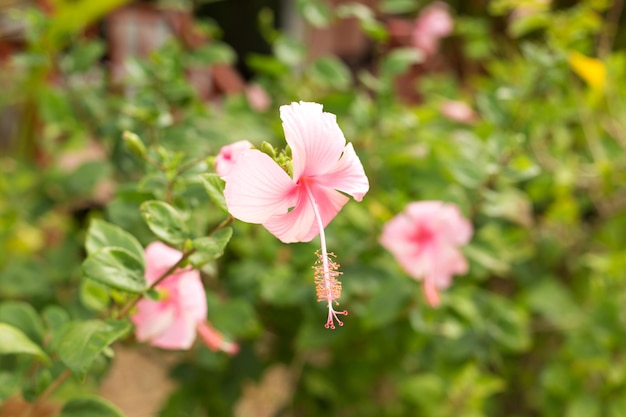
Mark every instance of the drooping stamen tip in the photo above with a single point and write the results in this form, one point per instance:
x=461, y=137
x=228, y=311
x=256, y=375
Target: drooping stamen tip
x=332, y=316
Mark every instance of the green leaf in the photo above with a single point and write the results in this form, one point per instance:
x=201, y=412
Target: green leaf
x=24, y=317
x=80, y=343
x=289, y=51
x=94, y=295
x=315, y=12
x=13, y=340
x=526, y=24
x=399, y=60
x=510, y=204
x=214, y=187
x=398, y=6
x=102, y=234
x=116, y=267
x=9, y=385
x=387, y=303
x=370, y=25
x=486, y=259
x=268, y=65
x=331, y=72
x=214, y=53
x=234, y=317
x=165, y=221
x=211, y=247
x=555, y=303
x=89, y=407
x=55, y=317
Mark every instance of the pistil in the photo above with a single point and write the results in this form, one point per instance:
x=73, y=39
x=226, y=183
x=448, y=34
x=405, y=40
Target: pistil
x=328, y=287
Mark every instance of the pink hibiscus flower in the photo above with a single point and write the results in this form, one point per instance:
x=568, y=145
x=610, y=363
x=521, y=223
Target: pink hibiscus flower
x=432, y=24
x=425, y=239
x=297, y=208
x=173, y=320
x=458, y=111
x=228, y=155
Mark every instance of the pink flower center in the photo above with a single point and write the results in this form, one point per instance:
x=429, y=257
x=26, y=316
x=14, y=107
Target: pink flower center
x=423, y=236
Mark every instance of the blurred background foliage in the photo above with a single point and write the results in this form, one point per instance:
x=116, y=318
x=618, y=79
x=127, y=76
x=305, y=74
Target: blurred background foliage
x=536, y=328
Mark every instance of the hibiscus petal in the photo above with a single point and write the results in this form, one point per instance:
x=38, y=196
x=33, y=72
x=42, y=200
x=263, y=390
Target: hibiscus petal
x=300, y=224
x=214, y=339
x=431, y=292
x=347, y=175
x=180, y=335
x=398, y=238
x=228, y=155
x=315, y=139
x=191, y=295
x=159, y=258
x=151, y=319
x=459, y=230
x=446, y=220
x=257, y=188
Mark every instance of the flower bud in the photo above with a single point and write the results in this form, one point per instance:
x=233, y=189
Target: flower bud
x=134, y=143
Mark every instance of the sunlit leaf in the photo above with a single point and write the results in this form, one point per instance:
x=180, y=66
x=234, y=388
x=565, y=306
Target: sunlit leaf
x=14, y=341
x=117, y=268
x=80, y=343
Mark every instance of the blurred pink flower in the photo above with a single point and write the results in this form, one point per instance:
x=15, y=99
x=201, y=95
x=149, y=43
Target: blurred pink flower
x=257, y=97
x=424, y=239
x=297, y=208
x=458, y=111
x=432, y=24
x=228, y=155
x=173, y=320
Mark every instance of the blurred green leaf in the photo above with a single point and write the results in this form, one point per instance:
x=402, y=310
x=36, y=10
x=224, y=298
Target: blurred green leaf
x=22, y=316
x=524, y=25
x=584, y=406
x=487, y=259
x=9, y=385
x=289, y=51
x=399, y=60
x=315, y=12
x=387, y=303
x=556, y=304
x=116, y=267
x=366, y=17
x=214, y=187
x=210, y=248
x=102, y=234
x=89, y=407
x=398, y=6
x=69, y=17
x=80, y=343
x=213, y=53
x=165, y=222
x=14, y=341
x=331, y=72
x=510, y=204
x=84, y=56
x=55, y=317
x=236, y=318
x=93, y=295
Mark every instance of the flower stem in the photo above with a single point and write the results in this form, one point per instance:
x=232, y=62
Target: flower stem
x=44, y=395
x=129, y=306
